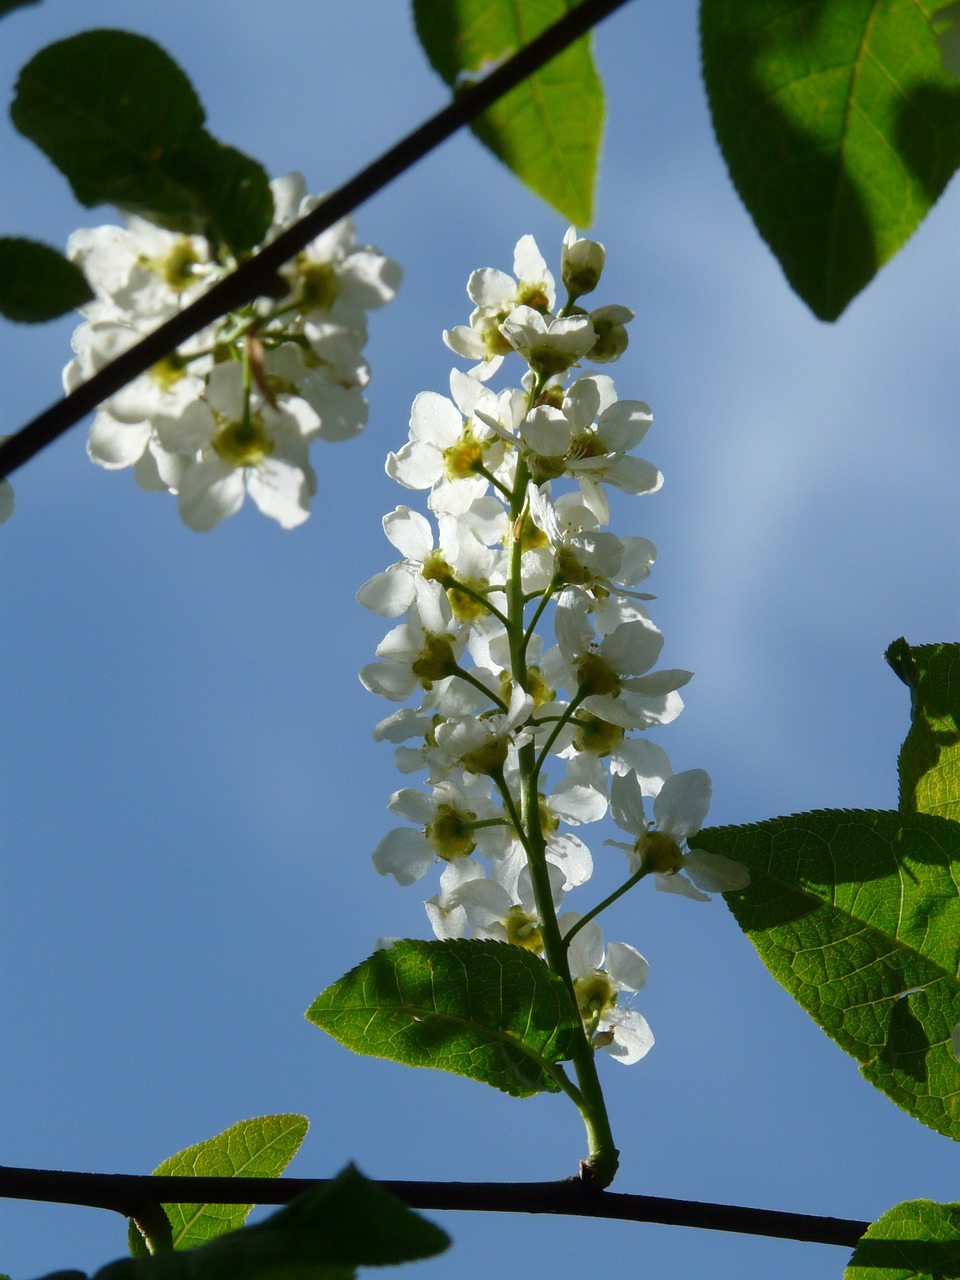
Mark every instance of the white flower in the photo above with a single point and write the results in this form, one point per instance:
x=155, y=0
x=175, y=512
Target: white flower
x=614, y=670
x=447, y=445
x=679, y=808
x=446, y=831
x=333, y=275
x=482, y=745
x=233, y=445
x=549, y=346
x=142, y=269
x=599, y=980
x=460, y=557
x=587, y=557
x=455, y=697
x=496, y=296
x=420, y=651
x=486, y=908
x=599, y=451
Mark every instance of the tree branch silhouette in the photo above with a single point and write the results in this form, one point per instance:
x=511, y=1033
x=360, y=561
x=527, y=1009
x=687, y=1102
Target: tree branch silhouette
x=130, y=1193
x=255, y=276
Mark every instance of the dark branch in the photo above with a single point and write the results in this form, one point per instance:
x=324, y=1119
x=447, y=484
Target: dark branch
x=256, y=276
x=129, y=1193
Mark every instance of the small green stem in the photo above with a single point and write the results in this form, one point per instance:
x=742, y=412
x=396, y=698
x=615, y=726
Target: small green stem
x=453, y=584
x=154, y=1225
x=481, y=470
x=470, y=678
x=562, y=720
x=602, y=906
x=538, y=612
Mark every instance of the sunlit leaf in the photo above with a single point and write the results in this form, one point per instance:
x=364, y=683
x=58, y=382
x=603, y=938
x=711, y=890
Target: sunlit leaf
x=486, y=1010
x=930, y=755
x=839, y=126
x=857, y=915
x=548, y=129
x=37, y=283
x=257, y=1148
x=917, y=1240
x=123, y=123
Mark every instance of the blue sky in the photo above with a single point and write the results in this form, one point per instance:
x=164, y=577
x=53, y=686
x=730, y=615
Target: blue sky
x=189, y=788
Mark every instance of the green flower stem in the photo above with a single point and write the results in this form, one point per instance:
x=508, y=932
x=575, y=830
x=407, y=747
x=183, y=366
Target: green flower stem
x=603, y=1158
x=556, y=1070
x=481, y=470
x=453, y=584
x=477, y=684
x=555, y=731
x=602, y=906
x=247, y=384
x=538, y=612
x=154, y=1225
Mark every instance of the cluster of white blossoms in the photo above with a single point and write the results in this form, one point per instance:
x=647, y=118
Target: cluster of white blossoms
x=235, y=410
x=517, y=484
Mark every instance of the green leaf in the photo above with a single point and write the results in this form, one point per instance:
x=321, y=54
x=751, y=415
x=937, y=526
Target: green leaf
x=5, y=7
x=930, y=755
x=548, y=129
x=857, y=915
x=486, y=1010
x=257, y=1148
x=917, y=1240
x=839, y=126
x=123, y=123
x=37, y=283
x=321, y=1235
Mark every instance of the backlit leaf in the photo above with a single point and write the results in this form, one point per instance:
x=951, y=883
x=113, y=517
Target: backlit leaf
x=548, y=129
x=917, y=1240
x=839, y=126
x=857, y=915
x=487, y=1010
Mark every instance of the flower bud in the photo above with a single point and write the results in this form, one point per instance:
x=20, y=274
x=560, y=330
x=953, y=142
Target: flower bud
x=581, y=264
x=609, y=324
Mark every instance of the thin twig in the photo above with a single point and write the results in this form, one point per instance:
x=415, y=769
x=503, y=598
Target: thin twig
x=256, y=276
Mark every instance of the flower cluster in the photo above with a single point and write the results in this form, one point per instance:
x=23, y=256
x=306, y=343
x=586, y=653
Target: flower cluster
x=517, y=484
x=234, y=410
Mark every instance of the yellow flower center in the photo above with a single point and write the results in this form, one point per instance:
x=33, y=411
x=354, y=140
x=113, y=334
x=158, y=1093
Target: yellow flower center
x=167, y=372
x=596, y=995
x=523, y=930
x=243, y=443
x=451, y=834
x=318, y=285
x=436, y=660
x=659, y=852
x=463, y=458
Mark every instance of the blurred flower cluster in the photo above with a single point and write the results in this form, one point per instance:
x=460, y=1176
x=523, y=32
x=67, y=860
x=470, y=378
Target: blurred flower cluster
x=517, y=484
x=234, y=411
